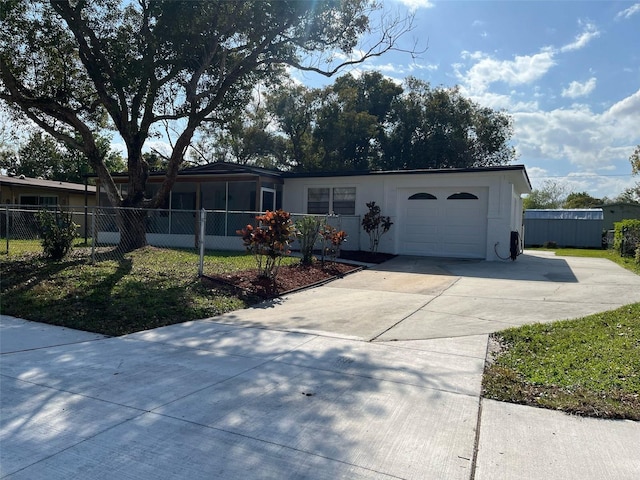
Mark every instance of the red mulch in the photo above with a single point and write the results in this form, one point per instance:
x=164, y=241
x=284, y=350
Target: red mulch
x=289, y=278
x=292, y=277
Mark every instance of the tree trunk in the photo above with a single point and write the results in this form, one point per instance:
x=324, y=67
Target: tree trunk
x=132, y=226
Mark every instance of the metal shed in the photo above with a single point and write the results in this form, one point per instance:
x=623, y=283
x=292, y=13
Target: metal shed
x=581, y=227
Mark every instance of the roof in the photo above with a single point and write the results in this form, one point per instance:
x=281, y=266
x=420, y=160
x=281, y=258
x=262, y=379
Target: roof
x=620, y=204
x=525, y=185
x=22, y=181
x=564, y=214
x=226, y=168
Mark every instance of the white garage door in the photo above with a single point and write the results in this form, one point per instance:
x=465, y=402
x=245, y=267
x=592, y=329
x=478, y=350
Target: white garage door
x=443, y=222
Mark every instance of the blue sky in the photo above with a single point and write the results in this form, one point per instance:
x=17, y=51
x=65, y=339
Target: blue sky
x=568, y=72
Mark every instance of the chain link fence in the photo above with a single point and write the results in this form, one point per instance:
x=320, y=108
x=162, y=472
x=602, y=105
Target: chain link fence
x=105, y=232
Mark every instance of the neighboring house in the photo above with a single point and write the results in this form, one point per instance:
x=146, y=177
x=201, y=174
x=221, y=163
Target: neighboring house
x=616, y=212
x=578, y=227
x=23, y=190
x=35, y=192
x=467, y=213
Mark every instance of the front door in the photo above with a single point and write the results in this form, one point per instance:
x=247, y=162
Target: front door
x=267, y=199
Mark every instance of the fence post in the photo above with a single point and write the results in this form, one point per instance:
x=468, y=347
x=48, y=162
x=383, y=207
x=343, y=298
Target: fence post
x=93, y=234
x=203, y=221
x=6, y=223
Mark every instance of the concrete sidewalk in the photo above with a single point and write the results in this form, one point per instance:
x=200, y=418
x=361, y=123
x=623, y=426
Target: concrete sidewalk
x=289, y=389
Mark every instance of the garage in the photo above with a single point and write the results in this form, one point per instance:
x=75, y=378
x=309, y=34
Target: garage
x=443, y=222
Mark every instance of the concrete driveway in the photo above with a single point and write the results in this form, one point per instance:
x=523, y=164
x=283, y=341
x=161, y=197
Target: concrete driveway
x=289, y=389
x=413, y=298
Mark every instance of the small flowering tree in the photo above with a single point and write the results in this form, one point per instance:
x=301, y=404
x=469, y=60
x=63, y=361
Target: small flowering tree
x=375, y=225
x=269, y=241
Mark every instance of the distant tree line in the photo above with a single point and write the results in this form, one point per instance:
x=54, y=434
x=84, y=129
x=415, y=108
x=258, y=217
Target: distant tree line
x=360, y=123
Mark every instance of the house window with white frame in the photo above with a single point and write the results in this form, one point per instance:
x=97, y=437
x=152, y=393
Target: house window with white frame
x=337, y=200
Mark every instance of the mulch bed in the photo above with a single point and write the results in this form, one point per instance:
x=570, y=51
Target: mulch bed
x=290, y=278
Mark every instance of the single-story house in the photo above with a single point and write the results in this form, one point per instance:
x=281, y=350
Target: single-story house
x=466, y=213
x=21, y=190
x=29, y=193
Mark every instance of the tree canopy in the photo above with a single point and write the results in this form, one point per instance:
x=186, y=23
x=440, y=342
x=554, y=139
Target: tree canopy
x=41, y=156
x=75, y=68
x=550, y=195
x=370, y=122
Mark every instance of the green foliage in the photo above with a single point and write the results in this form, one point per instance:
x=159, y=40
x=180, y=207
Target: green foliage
x=375, y=225
x=308, y=229
x=581, y=200
x=57, y=232
x=371, y=123
x=42, y=156
x=626, y=237
x=588, y=366
x=550, y=195
x=269, y=241
x=332, y=240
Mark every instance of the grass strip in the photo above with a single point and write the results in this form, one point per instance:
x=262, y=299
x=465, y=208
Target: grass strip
x=589, y=366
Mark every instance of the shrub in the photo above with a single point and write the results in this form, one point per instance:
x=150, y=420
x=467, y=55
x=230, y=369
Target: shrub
x=375, y=225
x=627, y=237
x=308, y=229
x=332, y=240
x=269, y=241
x=57, y=231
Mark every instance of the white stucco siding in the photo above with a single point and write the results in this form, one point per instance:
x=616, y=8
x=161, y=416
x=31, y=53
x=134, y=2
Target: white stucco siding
x=467, y=228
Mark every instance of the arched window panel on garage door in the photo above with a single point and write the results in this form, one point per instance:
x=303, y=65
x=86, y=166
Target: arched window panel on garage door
x=422, y=196
x=462, y=196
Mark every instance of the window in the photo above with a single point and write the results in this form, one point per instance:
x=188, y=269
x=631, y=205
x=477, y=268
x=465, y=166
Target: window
x=462, y=196
x=49, y=201
x=338, y=200
x=344, y=201
x=422, y=196
x=318, y=200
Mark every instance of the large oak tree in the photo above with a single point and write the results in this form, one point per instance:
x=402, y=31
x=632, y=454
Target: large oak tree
x=76, y=67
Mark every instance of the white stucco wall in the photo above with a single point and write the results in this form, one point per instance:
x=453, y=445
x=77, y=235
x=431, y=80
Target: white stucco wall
x=504, y=205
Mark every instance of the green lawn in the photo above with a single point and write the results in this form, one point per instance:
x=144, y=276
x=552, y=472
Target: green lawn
x=626, y=262
x=144, y=289
x=588, y=366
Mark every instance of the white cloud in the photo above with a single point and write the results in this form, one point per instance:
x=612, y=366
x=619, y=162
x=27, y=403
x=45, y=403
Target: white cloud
x=577, y=89
x=590, y=32
x=588, y=140
x=416, y=4
x=431, y=67
x=632, y=10
x=523, y=69
x=627, y=108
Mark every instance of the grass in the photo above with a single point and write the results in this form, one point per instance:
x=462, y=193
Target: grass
x=626, y=262
x=588, y=366
x=144, y=289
